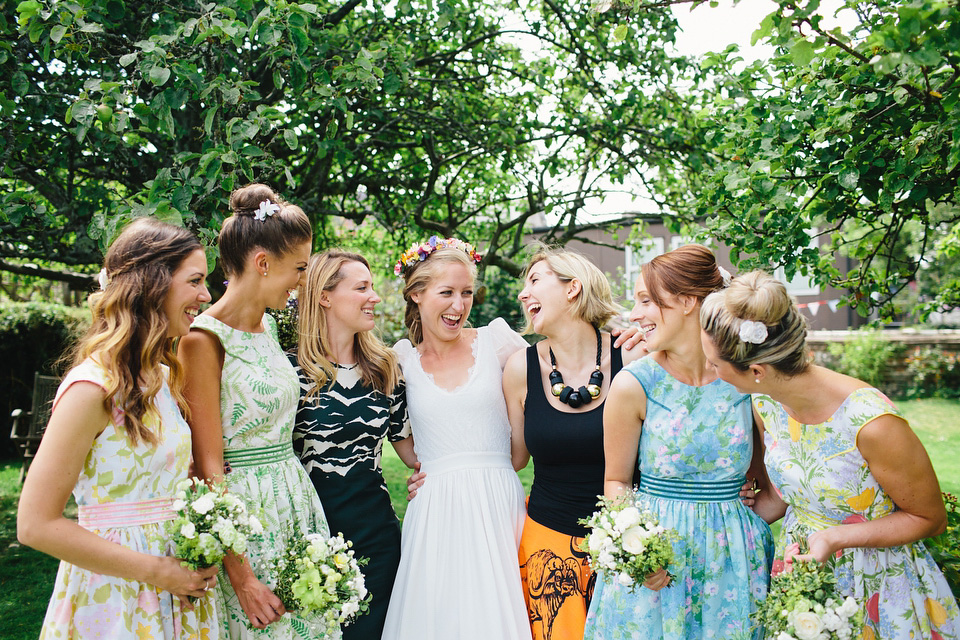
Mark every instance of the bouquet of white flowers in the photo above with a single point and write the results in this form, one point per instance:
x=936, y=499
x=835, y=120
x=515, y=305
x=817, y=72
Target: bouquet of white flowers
x=803, y=604
x=626, y=541
x=319, y=579
x=210, y=522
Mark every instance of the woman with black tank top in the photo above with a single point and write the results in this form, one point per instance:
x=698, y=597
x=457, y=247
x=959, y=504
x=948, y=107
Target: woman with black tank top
x=555, y=391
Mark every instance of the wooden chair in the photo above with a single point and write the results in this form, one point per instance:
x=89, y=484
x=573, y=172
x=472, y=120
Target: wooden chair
x=28, y=426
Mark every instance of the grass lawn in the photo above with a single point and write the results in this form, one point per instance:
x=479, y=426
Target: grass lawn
x=26, y=576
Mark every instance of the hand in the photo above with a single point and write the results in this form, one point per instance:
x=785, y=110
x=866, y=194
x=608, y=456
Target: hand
x=260, y=604
x=175, y=577
x=415, y=481
x=628, y=338
x=820, y=545
x=791, y=552
x=658, y=580
x=748, y=492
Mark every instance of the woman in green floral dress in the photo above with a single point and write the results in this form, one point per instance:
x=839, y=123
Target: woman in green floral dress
x=243, y=395
x=848, y=467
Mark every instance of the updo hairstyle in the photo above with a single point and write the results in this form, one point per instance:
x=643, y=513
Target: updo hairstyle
x=690, y=270
x=759, y=297
x=418, y=277
x=243, y=232
x=594, y=304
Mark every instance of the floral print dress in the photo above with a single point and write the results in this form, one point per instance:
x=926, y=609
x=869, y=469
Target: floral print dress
x=695, y=448
x=259, y=391
x=824, y=479
x=124, y=494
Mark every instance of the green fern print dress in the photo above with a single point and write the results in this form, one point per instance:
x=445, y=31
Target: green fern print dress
x=259, y=391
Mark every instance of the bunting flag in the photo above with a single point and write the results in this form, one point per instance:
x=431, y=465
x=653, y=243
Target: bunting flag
x=814, y=307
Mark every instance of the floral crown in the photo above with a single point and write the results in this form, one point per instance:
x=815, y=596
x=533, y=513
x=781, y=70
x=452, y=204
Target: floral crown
x=419, y=252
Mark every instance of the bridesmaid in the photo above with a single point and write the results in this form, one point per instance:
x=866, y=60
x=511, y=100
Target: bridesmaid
x=692, y=436
x=846, y=462
x=117, y=439
x=243, y=392
x=567, y=300
x=352, y=397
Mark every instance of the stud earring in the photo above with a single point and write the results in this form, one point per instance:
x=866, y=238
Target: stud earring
x=757, y=380
x=264, y=274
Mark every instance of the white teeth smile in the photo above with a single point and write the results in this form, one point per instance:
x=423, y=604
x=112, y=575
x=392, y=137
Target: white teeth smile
x=193, y=313
x=647, y=329
x=533, y=309
x=453, y=319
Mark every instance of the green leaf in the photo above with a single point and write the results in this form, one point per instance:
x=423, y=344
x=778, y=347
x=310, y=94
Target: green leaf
x=127, y=59
x=802, y=53
x=849, y=178
x=57, y=33
x=19, y=83
x=291, y=139
x=620, y=33
x=158, y=75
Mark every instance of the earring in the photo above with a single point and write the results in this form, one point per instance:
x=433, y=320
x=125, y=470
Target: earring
x=757, y=380
x=264, y=274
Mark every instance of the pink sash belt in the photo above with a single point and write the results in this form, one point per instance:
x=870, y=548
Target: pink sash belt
x=111, y=515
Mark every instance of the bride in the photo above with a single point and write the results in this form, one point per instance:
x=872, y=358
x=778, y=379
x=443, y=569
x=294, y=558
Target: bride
x=458, y=575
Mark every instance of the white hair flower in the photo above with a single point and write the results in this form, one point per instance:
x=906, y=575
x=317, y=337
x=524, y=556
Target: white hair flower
x=753, y=332
x=265, y=209
x=103, y=279
x=725, y=276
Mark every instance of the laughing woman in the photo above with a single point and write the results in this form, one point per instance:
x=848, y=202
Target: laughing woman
x=854, y=474
x=352, y=397
x=458, y=576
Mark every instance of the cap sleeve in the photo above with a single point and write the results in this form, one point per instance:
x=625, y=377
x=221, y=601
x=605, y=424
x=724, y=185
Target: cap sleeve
x=399, y=427
x=505, y=340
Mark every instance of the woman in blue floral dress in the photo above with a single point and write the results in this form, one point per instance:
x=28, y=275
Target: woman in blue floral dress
x=855, y=476
x=695, y=438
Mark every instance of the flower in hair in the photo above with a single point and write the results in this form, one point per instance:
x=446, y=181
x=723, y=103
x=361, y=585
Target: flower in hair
x=753, y=332
x=265, y=209
x=419, y=252
x=103, y=279
x=725, y=276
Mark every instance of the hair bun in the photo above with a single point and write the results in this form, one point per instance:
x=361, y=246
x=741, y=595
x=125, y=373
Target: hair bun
x=758, y=296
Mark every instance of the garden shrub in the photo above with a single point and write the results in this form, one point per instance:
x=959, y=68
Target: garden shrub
x=865, y=356
x=933, y=373
x=33, y=337
x=945, y=548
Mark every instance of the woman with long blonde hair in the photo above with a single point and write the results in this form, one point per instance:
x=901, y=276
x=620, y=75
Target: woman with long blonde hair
x=352, y=397
x=117, y=439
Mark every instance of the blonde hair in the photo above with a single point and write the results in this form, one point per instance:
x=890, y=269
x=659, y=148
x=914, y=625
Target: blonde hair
x=242, y=232
x=418, y=277
x=758, y=297
x=128, y=335
x=594, y=304
x=377, y=363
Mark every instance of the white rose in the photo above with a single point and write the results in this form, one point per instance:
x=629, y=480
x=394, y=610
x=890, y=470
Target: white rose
x=350, y=608
x=188, y=530
x=255, y=527
x=597, y=540
x=178, y=505
x=633, y=541
x=624, y=579
x=627, y=518
x=785, y=636
x=848, y=608
x=807, y=625
x=203, y=504
x=832, y=621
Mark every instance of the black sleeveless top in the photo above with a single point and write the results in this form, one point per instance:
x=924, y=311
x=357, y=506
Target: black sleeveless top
x=567, y=451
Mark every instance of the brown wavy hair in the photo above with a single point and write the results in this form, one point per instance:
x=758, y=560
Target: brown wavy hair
x=377, y=363
x=690, y=270
x=242, y=233
x=128, y=335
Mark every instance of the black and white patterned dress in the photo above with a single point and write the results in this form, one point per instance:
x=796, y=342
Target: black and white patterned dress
x=339, y=438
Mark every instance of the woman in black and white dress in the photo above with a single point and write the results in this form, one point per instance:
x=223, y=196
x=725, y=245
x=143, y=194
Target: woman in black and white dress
x=351, y=399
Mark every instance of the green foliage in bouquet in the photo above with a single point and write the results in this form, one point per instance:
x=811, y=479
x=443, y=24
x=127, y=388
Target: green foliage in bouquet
x=210, y=523
x=945, y=548
x=319, y=580
x=803, y=603
x=286, y=318
x=626, y=541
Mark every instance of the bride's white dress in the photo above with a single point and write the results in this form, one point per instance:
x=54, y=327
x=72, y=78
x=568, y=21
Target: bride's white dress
x=459, y=577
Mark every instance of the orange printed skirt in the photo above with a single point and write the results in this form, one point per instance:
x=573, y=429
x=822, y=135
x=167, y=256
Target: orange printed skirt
x=557, y=582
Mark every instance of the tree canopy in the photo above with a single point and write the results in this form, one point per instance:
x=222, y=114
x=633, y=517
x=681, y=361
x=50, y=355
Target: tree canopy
x=453, y=117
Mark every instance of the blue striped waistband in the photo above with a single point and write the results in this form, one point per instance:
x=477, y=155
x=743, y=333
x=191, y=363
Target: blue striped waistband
x=691, y=490
x=258, y=455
